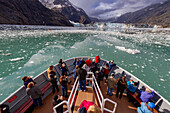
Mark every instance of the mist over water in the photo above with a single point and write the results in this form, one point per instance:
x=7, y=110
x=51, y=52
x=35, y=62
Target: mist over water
x=30, y=52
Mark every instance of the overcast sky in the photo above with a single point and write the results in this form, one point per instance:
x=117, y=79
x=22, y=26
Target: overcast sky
x=111, y=8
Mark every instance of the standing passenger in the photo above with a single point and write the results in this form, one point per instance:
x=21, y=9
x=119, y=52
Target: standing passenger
x=88, y=62
x=63, y=82
x=51, y=68
x=35, y=93
x=53, y=80
x=121, y=86
x=111, y=82
x=27, y=80
x=81, y=73
x=74, y=73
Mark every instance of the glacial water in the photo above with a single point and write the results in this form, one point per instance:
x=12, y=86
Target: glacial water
x=29, y=52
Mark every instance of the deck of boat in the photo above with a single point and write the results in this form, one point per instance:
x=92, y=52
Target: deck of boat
x=123, y=106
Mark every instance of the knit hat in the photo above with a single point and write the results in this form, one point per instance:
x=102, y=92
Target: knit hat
x=148, y=90
x=151, y=104
x=55, y=97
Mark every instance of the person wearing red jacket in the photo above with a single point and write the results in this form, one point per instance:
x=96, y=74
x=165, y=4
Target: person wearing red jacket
x=88, y=62
x=97, y=59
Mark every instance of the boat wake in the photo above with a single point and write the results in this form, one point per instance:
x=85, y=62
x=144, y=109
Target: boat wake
x=130, y=51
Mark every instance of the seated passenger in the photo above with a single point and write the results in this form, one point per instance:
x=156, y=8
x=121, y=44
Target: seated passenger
x=35, y=93
x=111, y=82
x=132, y=86
x=51, y=68
x=88, y=62
x=27, y=80
x=111, y=64
x=146, y=108
x=56, y=100
x=91, y=107
x=146, y=95
x=4, y=108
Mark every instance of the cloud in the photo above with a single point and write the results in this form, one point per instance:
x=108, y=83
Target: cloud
x=112, y=8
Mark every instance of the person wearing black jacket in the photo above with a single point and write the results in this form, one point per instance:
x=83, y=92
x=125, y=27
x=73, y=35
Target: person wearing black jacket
x=57, y=100
x=121, y=86
x=81, y=74
x=53, y=80
x=98, y=76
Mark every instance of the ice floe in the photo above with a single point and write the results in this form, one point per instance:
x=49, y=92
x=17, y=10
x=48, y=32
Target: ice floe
x=130, y=51
x=16, y=59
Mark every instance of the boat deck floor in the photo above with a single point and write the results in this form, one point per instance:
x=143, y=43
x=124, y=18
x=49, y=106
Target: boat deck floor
x=123, y=106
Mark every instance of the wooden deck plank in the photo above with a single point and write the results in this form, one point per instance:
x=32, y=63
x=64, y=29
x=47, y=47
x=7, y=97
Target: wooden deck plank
x=88, y=96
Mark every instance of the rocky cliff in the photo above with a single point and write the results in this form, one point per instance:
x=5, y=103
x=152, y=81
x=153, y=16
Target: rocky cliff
x=29, y=12
x=72, y=12
x=157, y=14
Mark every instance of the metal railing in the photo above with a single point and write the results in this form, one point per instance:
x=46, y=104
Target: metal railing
x=98, y=92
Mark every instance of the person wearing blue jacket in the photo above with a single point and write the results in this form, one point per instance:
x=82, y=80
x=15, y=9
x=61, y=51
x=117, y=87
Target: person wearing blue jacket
x=132, y=87
x=146, y=108
x=111, y=64
x=146, y=95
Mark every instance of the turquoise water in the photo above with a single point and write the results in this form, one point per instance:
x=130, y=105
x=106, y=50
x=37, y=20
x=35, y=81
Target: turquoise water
x=146, y=55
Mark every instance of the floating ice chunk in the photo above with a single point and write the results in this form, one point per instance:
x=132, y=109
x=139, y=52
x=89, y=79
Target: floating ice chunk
x=157, y=42
x=1, y=78
x=109, y=44
x=1, y=51
x=143, y=66
x=47, y=43
x=19, y=77
x=8, y=54
x=130, y=51
x=150, y=60
x=135, y=64
x=162, y=79
x=31, y=62
x=24, y=51
x=19, y=67
x=1, y=94
x=16, y=59
x=90, y=49
x=72, y=47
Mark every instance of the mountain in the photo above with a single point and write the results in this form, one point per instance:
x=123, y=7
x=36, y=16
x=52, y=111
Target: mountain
x=71, y=11
x=29, y=12
x=157, y=14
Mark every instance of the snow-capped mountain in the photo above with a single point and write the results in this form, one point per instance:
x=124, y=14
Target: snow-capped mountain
x=69, y=10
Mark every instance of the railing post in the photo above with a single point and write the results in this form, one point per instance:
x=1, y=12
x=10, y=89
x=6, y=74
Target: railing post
x=102, y=107
x=68, y=106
